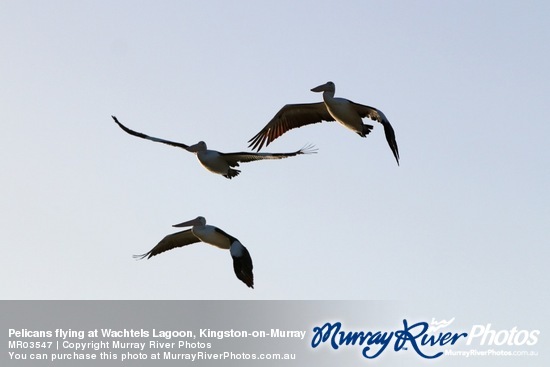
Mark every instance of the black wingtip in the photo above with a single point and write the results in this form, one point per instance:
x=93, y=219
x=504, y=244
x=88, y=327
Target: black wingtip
x=243, y=267
x=258, y=141
x=119, y=123
x=246, y=276
x=308, y=149
x=390, y=138
x=248, y=280
x=141, y=257
x=395, y=150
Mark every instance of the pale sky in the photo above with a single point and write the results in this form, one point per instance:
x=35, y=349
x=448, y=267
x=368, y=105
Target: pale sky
x=464, y=220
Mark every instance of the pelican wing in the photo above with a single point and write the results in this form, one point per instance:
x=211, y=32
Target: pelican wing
x=178, y=239
x=377, y=115
x=143, y=136
x=233, y=159
x=242, y=265
x=290, y=117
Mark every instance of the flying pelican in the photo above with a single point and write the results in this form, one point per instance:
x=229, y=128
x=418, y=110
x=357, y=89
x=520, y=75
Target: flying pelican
x=200, y=232
x=218, y=162
x=342, y=110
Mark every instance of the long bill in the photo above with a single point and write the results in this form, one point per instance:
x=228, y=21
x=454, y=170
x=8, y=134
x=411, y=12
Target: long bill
x=195, y=148
x=191, y=223
x=327, y=87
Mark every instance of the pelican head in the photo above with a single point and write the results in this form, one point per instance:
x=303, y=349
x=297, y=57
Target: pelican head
x=198, y=221
x=199, y=147
x=327, y=87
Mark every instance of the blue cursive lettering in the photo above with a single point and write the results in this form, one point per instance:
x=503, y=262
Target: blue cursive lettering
x=413, y=335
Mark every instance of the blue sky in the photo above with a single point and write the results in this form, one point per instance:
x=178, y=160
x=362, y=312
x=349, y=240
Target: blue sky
x=463, y=220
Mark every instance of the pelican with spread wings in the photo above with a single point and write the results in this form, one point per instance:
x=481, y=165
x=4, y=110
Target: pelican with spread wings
x=201, y=232
x=217, y=162
x=346, y=112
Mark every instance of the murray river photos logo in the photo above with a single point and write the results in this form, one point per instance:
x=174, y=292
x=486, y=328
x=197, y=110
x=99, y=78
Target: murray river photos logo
x=426, y=339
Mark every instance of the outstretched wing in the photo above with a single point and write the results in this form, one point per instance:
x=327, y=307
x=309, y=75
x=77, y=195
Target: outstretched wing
x=289, y=117
x=233, y=159
x=143, y=136
x=242, y=264
x=377, y=115
x=178, y=239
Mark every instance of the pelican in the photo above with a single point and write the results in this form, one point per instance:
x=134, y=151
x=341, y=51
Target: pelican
x=218, y=162
x=200, y=232
x=344, y=111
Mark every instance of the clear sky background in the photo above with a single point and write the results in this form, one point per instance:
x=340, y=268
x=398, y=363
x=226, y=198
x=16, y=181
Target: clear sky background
x=464, y=220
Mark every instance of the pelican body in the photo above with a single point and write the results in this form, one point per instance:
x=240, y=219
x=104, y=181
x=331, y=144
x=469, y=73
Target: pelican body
x=217, y=162
x=201, y=232
x=346, y=112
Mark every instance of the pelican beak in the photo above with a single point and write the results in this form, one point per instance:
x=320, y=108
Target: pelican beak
x=320, y=88
x=201, y=145
x=194, y=148
x=189, y=223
